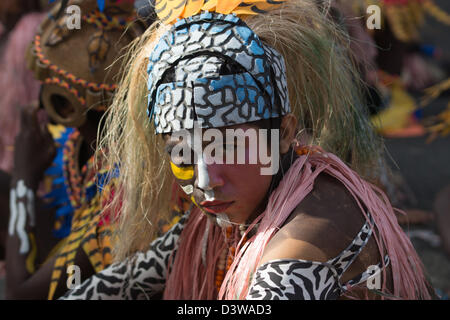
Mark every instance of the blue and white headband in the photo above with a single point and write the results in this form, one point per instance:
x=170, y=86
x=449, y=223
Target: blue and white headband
x=195, y=51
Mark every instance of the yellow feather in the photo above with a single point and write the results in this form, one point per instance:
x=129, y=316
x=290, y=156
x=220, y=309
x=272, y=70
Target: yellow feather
x=192, y=8
x=59, y=262
x=169, y=10
x=244, y=11
x=108, y=258
x=57, y=273
x=254, y=7
x=210, y=5
x=94, y=256
x=52, y=290
x=261, y=2
x=227, y=6
x=31, y=258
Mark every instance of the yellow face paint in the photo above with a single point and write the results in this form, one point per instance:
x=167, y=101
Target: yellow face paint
x=193, y=201
x=182, y=173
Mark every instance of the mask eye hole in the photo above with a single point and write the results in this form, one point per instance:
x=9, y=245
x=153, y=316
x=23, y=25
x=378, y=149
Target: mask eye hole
x=62, y=105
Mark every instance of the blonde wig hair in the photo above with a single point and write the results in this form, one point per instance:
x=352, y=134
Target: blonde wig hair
x=324, y=94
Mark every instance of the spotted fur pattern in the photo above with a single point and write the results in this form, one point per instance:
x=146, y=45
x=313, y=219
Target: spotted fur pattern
x=201, y=47
x=136, y=278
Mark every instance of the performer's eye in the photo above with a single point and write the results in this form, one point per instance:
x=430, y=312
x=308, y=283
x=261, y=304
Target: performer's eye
x=182, y=172
x=181, y=162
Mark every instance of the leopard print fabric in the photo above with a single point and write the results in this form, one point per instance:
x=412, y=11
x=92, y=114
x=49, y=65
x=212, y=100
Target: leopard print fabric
x=136, y=278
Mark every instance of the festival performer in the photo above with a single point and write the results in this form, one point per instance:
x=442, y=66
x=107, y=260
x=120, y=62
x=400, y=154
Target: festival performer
x=78, y=79
x=302, y=224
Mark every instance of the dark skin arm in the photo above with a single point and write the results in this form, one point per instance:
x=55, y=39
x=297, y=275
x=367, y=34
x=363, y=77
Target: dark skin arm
x=34, y=151
x=37, y=144
x=321, y=226
x=36, y=286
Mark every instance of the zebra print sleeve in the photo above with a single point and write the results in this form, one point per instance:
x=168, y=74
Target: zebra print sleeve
x=294, y=280
x=137, y=278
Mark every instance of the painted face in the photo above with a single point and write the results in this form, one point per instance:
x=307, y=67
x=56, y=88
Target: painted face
x=219, y=182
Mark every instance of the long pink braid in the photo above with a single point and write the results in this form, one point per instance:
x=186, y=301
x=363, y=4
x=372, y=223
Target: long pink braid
x=19, y=88
x=190, y=279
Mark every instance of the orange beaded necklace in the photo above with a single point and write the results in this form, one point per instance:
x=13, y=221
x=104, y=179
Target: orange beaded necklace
x=227, y=257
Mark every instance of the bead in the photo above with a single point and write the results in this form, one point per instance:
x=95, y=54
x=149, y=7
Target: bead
x=226, y=258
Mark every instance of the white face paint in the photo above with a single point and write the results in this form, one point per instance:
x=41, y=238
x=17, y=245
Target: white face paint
x=202, y=168
x=203, y=179
x=189, y=189
x=223, y=221
x=21, y=203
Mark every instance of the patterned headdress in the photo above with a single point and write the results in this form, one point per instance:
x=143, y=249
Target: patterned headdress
x=211, y=69
x=73, y=64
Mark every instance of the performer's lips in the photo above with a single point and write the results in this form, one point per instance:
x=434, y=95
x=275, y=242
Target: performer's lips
x=216, y=206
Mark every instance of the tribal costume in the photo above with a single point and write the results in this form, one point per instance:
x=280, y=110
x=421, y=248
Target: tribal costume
x=215, y=67
x=401, y=47
x=82, y=224
x=80, y=82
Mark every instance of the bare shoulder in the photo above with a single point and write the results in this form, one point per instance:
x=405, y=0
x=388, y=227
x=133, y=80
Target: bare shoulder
x=321, y=226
